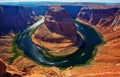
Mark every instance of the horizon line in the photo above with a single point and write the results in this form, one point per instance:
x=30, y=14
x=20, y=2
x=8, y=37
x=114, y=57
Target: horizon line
x=58, y=2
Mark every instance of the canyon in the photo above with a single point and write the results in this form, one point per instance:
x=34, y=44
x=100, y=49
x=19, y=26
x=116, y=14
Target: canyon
x=106, y=63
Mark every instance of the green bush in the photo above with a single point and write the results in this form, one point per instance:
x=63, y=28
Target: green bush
x=15, y=49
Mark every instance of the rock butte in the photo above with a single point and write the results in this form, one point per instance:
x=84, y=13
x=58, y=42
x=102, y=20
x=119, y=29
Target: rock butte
x=58, y=34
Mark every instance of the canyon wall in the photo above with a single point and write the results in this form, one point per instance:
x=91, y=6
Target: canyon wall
x=15, y=19
x=94, y=15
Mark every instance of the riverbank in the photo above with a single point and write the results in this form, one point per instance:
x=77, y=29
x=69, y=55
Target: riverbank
x=63, y=53
x=15, y=49
x=84, y=54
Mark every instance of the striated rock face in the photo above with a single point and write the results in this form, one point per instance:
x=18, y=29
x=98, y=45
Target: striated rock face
x=105, y=18
x=58, y=33
x=15, y=18
x=58, y=21
x=112, y=21
x=93, y=15
x=109, y=24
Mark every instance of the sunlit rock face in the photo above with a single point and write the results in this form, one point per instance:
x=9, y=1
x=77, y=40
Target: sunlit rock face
x=105, y=18
x=58, y=33
x=58, y=21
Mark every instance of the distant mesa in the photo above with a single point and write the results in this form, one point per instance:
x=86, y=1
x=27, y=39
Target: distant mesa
x=58, y=35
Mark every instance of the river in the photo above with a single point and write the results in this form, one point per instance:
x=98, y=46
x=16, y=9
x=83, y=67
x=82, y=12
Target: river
x=83, y=55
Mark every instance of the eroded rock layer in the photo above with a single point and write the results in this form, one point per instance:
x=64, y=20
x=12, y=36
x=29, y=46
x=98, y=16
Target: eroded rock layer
x=94, y=15
x=58, y=33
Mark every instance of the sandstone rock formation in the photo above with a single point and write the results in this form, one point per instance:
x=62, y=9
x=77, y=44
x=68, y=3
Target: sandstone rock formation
x=24, y=64
x=15, y=18
x=100, y=66
x=2, y=68
x=94, y=14
x=112, y=22
x=105, y=18
x=106, y=63
x=6, y=46
x=8, y=70
x=58, y=33
x=107, y=21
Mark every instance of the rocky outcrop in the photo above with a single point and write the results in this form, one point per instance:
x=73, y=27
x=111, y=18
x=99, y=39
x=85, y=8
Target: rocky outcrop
x=58, y=33
x=15, y=18
x=23, y=64
x=105, y=18
x=2, y=68
x=111, y=22
x=58, y=21
x=93, y=15
x=6, y=46
x=7, y=70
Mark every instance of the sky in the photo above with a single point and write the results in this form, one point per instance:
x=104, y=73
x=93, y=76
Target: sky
x=109, y=1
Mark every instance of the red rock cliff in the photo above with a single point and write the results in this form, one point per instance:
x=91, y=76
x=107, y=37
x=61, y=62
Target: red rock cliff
x=93, y=15
x=111, y=21
x=58, y=32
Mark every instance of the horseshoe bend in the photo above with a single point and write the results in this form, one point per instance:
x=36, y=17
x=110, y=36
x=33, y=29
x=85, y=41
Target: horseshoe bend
x=58, y=35
x=65, y=40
